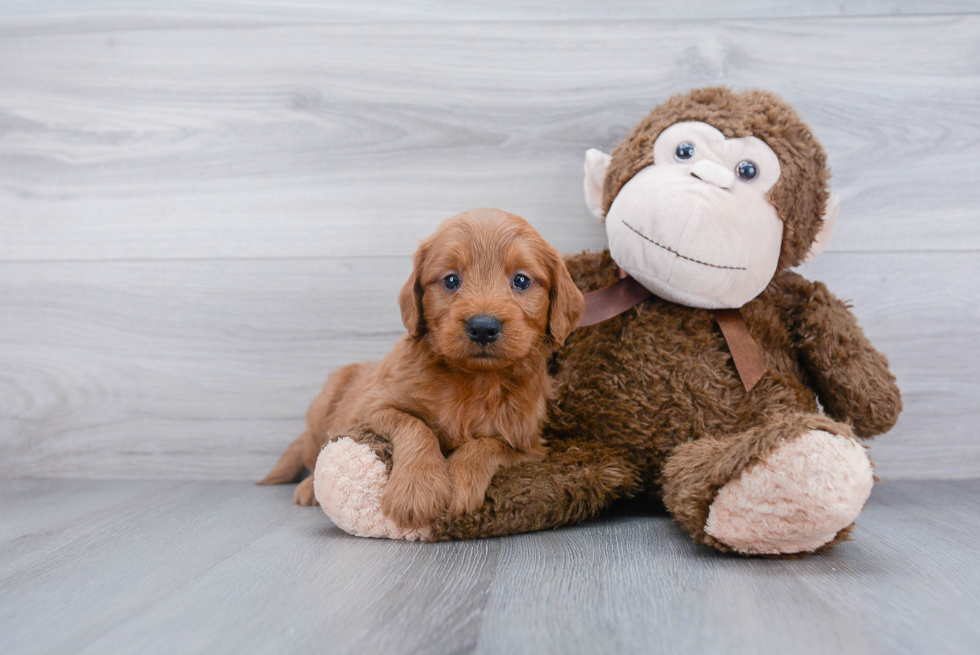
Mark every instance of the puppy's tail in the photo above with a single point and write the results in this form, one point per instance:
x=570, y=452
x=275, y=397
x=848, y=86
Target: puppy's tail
x=290, y=466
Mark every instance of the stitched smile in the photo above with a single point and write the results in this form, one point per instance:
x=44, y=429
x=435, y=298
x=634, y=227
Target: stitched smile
x=671, y=250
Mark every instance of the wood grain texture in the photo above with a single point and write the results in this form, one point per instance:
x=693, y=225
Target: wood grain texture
x=74, y=12
x=207, y=205
x=231, y=568
x=204, y=369
x=202, y=140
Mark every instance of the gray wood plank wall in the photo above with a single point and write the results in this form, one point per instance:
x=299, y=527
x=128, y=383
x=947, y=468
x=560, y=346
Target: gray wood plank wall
x=206, y=206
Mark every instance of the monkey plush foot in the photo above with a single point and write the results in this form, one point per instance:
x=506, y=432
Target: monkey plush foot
x=348, y=481
x=795, y=500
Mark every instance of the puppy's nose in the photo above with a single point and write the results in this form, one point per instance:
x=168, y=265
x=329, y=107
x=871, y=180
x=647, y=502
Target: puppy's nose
x=483, y=329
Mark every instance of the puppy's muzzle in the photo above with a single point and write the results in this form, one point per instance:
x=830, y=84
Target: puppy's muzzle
x=483, y=329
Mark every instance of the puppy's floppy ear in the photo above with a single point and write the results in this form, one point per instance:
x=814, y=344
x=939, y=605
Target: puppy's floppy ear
x=410, y=298
x=566, y=301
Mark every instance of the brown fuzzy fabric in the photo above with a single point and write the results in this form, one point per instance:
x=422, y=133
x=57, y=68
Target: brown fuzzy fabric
x=576, y=478
x=653, y=401
x=649, y=403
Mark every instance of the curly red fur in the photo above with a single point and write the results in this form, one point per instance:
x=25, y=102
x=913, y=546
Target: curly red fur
x=455, y=411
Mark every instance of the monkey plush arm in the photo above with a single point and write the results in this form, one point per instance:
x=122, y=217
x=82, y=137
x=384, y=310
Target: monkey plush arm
x=851, y=377
x=576, y=481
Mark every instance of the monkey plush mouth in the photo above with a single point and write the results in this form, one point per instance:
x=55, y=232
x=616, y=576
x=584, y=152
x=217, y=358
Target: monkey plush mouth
x=674, y=252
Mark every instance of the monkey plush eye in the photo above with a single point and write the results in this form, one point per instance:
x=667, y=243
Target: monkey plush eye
x=451, y=282
x=747, y=170
x=521, y=282
x=684, y=151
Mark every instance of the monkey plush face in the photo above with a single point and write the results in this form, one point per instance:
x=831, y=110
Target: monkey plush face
x=701, y=216
x=696, y=226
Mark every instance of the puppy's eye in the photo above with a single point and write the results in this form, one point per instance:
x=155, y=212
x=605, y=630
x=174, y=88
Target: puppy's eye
x=451, y=282
x=521, y=282
x=684, y=151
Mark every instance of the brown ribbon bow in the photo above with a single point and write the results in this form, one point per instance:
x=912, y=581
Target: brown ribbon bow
x=750, y=361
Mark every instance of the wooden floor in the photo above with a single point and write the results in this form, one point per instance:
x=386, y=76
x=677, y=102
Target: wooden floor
x=227, y=567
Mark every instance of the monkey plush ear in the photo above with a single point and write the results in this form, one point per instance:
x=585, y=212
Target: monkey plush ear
x=827, y=229
x=596, y=163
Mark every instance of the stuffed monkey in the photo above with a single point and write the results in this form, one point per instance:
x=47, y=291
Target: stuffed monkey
x=703, y=395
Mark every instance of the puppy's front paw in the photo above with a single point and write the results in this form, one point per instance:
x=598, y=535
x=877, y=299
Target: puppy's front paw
x=304, y=493
x=468, y=491
x=466, y=501
x=417, y=494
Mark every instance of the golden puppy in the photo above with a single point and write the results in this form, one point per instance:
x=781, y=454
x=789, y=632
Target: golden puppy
x=464, y=392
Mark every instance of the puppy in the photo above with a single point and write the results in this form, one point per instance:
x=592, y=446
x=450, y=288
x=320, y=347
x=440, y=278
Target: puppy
x=464, y=393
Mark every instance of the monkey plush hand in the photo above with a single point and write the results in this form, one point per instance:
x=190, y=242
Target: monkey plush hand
x=708, y=203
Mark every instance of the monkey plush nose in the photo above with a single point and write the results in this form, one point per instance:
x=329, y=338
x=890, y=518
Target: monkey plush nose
x=483, y=329
x=713, y=173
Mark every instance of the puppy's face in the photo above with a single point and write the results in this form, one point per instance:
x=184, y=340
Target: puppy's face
x=488, y=291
